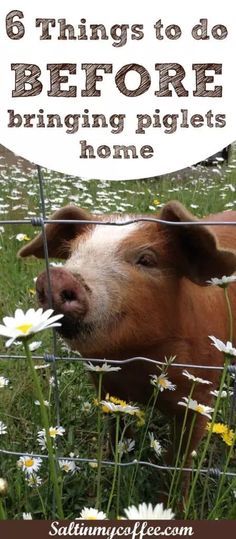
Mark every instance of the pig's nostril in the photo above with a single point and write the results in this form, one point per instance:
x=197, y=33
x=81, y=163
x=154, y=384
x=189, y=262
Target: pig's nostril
x=68, y=295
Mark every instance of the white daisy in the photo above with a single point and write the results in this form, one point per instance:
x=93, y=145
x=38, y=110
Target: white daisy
x=3, y=381
x=93, y=465
x=29, y=464
x=53, y=432
x=67, y=466
x=86, y=407
x=3, y=486
x=25, y=324
x=88, y=513
x=3, y=428
x=34, y=481
x=109, y=406
x=126, y=446
x=35, y=345
x=222, y=347
x=46, y=403
x=223, y=282
x=148, y=512
x=223, y=395
x=196, y=407
x=162, y=382
x=27, y=516
x=22, y=237
x=195, y=378
x=154, y=444
x=101, y=368
x=43, y=366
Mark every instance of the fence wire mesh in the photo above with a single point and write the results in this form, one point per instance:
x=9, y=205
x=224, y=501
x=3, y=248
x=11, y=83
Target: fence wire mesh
x=52, y=358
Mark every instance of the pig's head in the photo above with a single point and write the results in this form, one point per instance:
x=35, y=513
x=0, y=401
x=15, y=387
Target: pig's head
x=119, y=286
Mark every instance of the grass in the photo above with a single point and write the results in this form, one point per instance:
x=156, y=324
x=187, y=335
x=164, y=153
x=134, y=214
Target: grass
x=203, y=190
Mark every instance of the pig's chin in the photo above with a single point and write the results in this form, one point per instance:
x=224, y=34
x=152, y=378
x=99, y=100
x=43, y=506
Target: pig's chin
x=73, y=328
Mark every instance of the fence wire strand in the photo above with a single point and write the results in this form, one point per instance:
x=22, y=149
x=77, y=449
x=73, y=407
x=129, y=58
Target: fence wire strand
x=51, y=359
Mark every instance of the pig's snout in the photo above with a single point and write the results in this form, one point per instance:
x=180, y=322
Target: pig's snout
x=65, y=294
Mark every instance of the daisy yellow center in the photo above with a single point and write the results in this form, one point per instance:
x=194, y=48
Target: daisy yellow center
x=52, y=433
x=114, y=400
x=199, y=409
x=66, y=468
x=29, y=463
x=24, y=328
x=163, y=382
x=91, y=518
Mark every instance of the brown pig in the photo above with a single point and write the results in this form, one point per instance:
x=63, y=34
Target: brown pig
x=141, y=290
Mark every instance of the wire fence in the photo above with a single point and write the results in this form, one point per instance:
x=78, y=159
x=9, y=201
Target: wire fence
x=53, y=358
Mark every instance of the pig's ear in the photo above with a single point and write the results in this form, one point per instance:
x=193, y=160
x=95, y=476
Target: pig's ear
x=197, y=253
x=58, y=235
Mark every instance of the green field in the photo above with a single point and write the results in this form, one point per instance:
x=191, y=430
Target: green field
x=203, y=189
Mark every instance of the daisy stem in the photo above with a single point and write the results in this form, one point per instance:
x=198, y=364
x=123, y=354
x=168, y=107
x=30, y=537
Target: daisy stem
x=2, y=511
x=180, y=444
x=45, y=422
x=42, y=504
x=134, y=474
x=228, y=490
x=222, y=479
x=100, y=441
x=206, y=482
x=119, y=473
x=116, y=463
x=184, y=456
x=230, y=315
x=204, y=452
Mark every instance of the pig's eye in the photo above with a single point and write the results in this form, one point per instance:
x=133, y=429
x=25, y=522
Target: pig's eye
x=148, y=260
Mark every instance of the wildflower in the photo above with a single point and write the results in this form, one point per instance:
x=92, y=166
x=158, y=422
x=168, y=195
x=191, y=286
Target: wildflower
x=154, y=444
x=223, y=395
x=32, y=292
x=217, y=428
x=22, y=237
x=93, y=465
x=35, y=345
x=23, y=325
x=56, y=264
x=88, y=513
x=34, y=481
x=86, y=407
x=3, y=382
x=126, y=446
x=27, y=516
x=223, y=282
x=162, y=382
x=3, y=428
x=156, y=202
x=67, y=466
x=194, y=454
x=148, y=512
x=196, y=407
x=3, y=486
x=140, y=418
x=224, y=431
x=114, y=405
x=101, y=368
x=44, y=366
x=53, y=433
x=228, y=437
x=29, y=464
x=222, y=347
x=195, y=378
x=46, y=403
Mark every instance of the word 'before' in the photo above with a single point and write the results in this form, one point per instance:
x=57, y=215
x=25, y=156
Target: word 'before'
x=170, y=77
